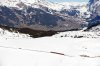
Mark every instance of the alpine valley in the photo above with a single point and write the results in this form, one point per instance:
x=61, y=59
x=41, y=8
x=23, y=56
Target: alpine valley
x=68, y=33
x=39, y=16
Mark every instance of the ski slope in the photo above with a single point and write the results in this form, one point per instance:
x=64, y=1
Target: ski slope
x=48, y=51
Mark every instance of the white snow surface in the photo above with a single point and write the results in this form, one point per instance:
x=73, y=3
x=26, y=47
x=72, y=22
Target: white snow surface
x=48, y=51
x=4, y=34
x=79, y=34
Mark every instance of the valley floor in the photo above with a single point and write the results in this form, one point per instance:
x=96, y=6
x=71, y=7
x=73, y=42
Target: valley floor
x=49, y=51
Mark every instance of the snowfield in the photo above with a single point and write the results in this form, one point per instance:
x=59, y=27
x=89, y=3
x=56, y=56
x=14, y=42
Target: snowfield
x=79, y=34
x=21, y=50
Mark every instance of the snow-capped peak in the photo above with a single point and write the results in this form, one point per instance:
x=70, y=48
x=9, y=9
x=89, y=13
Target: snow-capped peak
x=81, y=7
x=36, y=3
x=12, y=3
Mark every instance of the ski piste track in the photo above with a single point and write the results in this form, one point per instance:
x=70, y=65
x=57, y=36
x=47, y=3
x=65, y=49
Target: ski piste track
x=51, y=52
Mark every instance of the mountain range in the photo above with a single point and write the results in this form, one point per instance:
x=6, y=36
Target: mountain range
x=47, y=16
x=43, y=15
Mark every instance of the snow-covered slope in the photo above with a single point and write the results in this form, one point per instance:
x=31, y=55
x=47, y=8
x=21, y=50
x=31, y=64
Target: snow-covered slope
x=69, y=5
x=4, y=34
x=95, y=28
x=48, y=51
x=13, y=3
x=79, y=34
x=50, y=5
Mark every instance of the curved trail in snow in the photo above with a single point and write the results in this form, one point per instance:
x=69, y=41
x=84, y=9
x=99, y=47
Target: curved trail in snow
x=38, y=51
x=57, y=53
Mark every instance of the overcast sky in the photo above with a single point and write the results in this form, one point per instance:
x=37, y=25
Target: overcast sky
x=69, y=0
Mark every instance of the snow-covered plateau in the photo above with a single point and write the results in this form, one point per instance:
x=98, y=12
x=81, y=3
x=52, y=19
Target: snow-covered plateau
x=20, y=50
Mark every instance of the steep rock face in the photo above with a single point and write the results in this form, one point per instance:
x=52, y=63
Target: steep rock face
x=94, y=7
x=14, y=17
x=38, y=19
